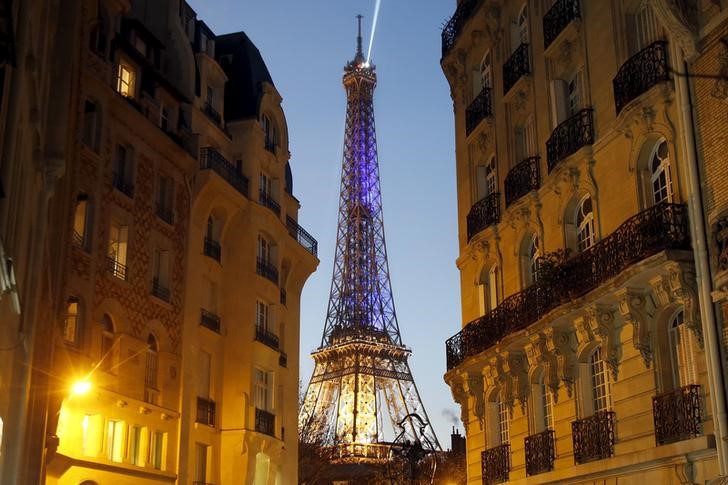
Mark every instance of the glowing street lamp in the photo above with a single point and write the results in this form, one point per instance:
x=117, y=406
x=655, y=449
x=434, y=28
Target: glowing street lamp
x=79, y=388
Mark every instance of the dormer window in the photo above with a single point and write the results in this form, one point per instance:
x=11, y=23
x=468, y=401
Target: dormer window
x=140, y=45
x=271, y=134
x=125, y=79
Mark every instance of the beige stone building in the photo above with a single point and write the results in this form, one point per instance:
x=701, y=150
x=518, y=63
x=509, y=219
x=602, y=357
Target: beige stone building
x=589, y=350
x=165, y=285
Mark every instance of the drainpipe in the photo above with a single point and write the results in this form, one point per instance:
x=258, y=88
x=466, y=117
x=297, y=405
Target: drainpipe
x=702, y=268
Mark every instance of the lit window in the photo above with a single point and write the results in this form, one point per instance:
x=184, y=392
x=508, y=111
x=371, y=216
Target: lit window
x=660, y=168
x=81, y=221
x=681, y=347
x=263, y=389
x=117, y=252
x=504, y=417
x=534, y=253
x=200, y=463
x=157, y=453
x=135, y=445
x=599, y=381
x=262, y=315
x=585, y=224
x=125, y=79
x=92, y=429
x=115, y=440
x=71, y=324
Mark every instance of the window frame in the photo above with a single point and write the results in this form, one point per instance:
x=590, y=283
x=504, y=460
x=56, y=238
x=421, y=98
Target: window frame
x=584, y=224
x=126, y=87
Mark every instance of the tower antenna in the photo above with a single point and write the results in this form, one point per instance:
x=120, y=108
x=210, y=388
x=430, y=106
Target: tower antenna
x=359, y=53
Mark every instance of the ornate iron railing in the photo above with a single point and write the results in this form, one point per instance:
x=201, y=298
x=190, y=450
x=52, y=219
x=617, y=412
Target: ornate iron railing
x=302, y=236
x=496, y=464
x=484, y=213
x=479, y=109
x=165, y=213
x=205, y=411
x=266, y=269
x=267, y=200
x=212, y=248
x=123, y=185
x=561, y=13
x=720, y=239
x=661, y=227
x=540, y=452
x=517, y=66
x=265, y=336
x=265, y=422
x=115, y=267
x=678, y=414
x=640, y=72
x=569, y=136
x=213, y=160
x=593, y=437
x=522, y=179
x=283, y=359
x=454, y=26
x=210, y=320
x=212, y=113
x=159, y=290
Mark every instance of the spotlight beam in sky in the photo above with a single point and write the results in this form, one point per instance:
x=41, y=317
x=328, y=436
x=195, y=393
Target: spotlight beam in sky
x=374, y=28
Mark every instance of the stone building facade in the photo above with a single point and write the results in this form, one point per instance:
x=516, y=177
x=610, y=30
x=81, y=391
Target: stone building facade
x=589, y=349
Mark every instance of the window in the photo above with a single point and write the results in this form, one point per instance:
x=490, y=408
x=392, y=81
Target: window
x=106, y=359
x=81, y=219
x=585, y=224
x=264, y=250
x=547, y=405
x=160, y=268
x=115, y=440
x=124, y=170
x=645, y=28
x=263, y=389
x=118, y=245
x=504, y=417
x=203, y=374
x=135, y=445
x=533, y=254
x=262, y=316
x=486, y=71
x=71, y=330
x=519, y=29
x=92, y=432
x=97, y=39
x=566, y=98
x=601, y=399
x=92, y=125
x=165, y=199
x=150, y=370
x=265, y=184
x=494, y=284
x=164, y=118
x=660, y=179
x=270, y=133
x=488, y=292
x=525, y=140
x=574, y=94
x=140, y=45
x=210, y=100
x=681, y=350
x=125, y=79
x=200, y=463
x=487, y=182
x=156, y=456
x=262, y=468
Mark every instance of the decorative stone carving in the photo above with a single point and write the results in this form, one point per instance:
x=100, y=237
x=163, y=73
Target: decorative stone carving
x=538, y=353
x=606, y=329
x=561, y=345
x=480, y=250
x=661, y=293
x=720, y=89
x=474, y=386
x=484, y=139
x=633, y=305
x=460, y=396
x=679, y=18
x=682, y=285
x=515, y=366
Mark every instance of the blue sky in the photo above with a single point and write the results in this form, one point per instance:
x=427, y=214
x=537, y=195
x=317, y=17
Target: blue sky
x=305, y=45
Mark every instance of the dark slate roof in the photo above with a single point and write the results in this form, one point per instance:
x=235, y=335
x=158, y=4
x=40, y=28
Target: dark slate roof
x=246, y=71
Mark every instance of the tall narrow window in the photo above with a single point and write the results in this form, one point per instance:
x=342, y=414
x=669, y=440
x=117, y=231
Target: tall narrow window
x=262, y=318
x=585, y=224
x=106, y=358
x=203, y=374
x=523, y=36
x=124, y=170
x=165, y=199
x=125, y=79
x=681, y=349
x=486, y=179
x=263, y=386
x=573, y=88
x=525, y=140
x=547, y=405
x=645, y=27
x=160, y=282
x=115, y=440
x=91, y=125
x=135, y=445
x=660, y=169
x=601, y=399
x=566, y=98
x=494, y=283
x=81, y=218
x=157, y=452
x=486, y=71
x=118, y=245
x=270, y=133
x=200, y=463
x=504, y=417
x=264, y=250
x=71, y=328
x=534, y=253
x=150, y=370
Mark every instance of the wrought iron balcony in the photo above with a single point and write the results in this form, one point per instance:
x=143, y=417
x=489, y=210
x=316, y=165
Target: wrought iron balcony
x=522, y=179
x=540, y=452
x=593, y=437
x=205, y=411
x=283, y=359
x=455, y=25
x=559, y=16
x=661, y=227
x=678, y=415
x=569, y=136
x=266, y=269
x=159, y=290
x=123, y=185
x=212, y=113
x=517, y=66
x=265, y=422
x=265, y=336
x=643, y=70
x=479, y=109
x=302, y=236
x=116, y=268
x=267, y=200
x=213, y=160
x=496, y=464
x=165, y=213
x=210, y=320
x=212, y=249
x=484, y=213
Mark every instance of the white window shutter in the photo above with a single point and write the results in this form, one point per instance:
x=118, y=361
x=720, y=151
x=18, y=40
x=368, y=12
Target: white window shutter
x=559, y=97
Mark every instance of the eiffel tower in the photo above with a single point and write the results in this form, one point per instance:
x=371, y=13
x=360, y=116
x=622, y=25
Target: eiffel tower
x=361, y=375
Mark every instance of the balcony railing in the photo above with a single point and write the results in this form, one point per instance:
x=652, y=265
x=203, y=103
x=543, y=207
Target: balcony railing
x=265, y=336
x=678, y=415
x=641, y=71
x=484, y=213
x=661, y=227
x=123, y=185
x=213, y=160
x=569, y=136
x=517, y=66
x=283, y=359
x=478, y=110
x=210, y=320
x=302, y=236
x=267, y=270
x=159, y=290
x=116, y=268
x=522, y=179
x=540, y=452
x=212, y=249
x=265, y=422
x=267, y=200
x=455, y=25
x=496, y=464
x=165, y=213
x=593, y=437
x=212, y=113
x=559, y=16
x=205, y=411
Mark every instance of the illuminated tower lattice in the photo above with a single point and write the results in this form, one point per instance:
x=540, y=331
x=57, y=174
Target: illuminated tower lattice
x=362, y=392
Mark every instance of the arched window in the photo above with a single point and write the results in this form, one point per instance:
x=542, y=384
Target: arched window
x=585, y=224
x=601, y=397
x=681, y=350
x=486, y=179
x=523, y=36
x=71, y=326
x=660, y=180
x=106, y=358
x=486, y=71
x=271, y=133
x=488, y=296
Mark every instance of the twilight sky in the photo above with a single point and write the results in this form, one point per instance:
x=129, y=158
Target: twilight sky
x=305, y=45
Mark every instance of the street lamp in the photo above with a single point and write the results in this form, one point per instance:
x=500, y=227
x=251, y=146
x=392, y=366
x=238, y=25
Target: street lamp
x=80, y=387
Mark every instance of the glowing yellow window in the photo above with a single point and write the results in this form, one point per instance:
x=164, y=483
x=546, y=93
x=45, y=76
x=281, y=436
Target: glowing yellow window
x=125, y=78
x=115, y=440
